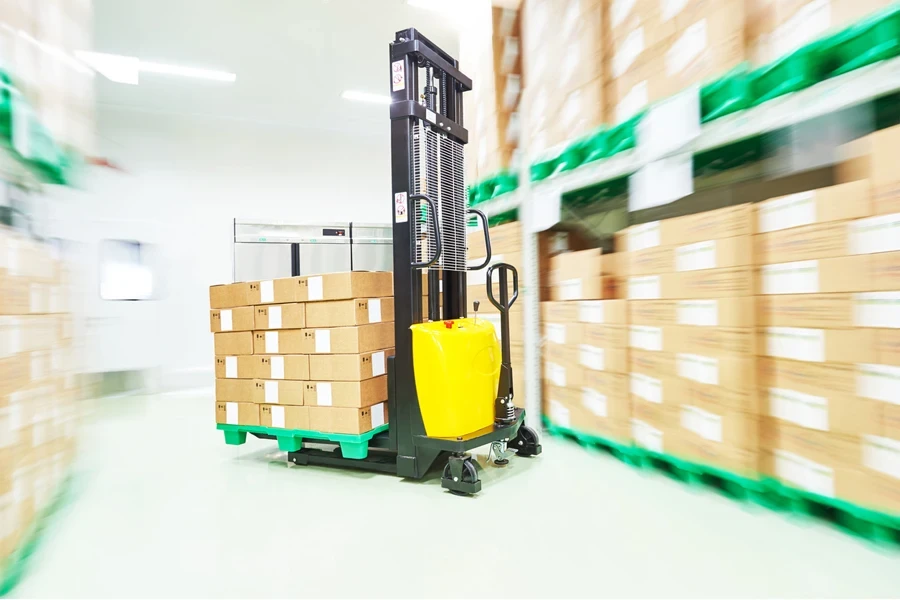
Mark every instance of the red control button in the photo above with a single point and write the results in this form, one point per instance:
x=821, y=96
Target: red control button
x=448, y=324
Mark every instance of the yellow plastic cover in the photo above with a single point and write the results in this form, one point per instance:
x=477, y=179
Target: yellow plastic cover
x=457, y=369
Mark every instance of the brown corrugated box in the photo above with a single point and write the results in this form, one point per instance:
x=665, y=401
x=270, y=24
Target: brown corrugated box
x=237, y=413
x=563, y=333
x=614, y=360
x=564, y=371
x=345, y=313
x=608, y=312
x=559, y=312
x=284, y=417
x=652, y=312
x=874, y=158
x=233, y=343
x=723, y=253
x=825, y=411
x=335, y=419
x=887, y=346
x=348, y=367
x=823, y=240
x=280, y=291
x=824, y=276
x=721, y=424
x=735, y=312
x=652, y=261
x=280, y=316
x=835, y=203
x=236, y=367
x=806, y=310
x=289, y=366
x=807, y=377
x=605, y=382
x=661, y=416
x=709, y=341
x=885, y=271
x=231, y=319
x=875, y=491
x=711, y=283
x=576, y=265
x=233, y=295
x=267, y=391
x=734, y=372
x=654, y=364
x=819, y=345
x=604, y=336
x=694, y=392
x=286, y=341
x=585, y=288
x=338, y=340
x=736, y=460
x=820, y=446
x=349, y=285
x=710, y=225
x=354, y=394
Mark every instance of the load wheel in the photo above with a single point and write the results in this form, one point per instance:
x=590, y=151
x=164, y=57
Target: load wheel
x=526, y=442
x=460, y=476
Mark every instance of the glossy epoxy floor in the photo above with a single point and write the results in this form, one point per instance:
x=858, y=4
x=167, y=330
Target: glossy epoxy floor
x=164, y=509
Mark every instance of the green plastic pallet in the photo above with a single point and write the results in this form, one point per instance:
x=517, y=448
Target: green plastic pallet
x=624, y=451
x=291, y=440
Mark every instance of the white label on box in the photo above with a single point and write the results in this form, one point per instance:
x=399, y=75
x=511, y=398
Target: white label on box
x=628, y=52
x=271, y=392
x=314, y=288
x=377, y=412
x=277, y=416
x=648, y=388
x=323, y=340
x=795, y=210
x=644, y=288
x=323, y=394
x=374, y=310
x=878, y=382
x=379, y=364
x=804, y=473
x=556, y=374
x=570, y=289
x=231, y=370
x=877, y=309
x=796, y=343
x=646, y=338
x=227, y=320
x=592, y=357
x=801, y=277
x=495, y=321
x=875, y=234
x=559, y=414
x=266, y=291
x=271, y=342
x=686, y=48
x=591, y=312
x=703, y=369
x=882, y=454
x=801, y=409
x=647, y=436
x=274, y=317
x=556, y=332
x=594, y=401
x=277, y=367
x=642, y=237
x=700, y=313
x=619, y=9
x=694, y=257
x=231, y=413
x=701, y=422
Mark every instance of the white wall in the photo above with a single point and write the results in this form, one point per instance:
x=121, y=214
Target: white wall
x=186, y=178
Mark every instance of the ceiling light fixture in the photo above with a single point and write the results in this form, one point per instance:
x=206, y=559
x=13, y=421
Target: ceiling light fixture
x=126, y=69
x=366, y=97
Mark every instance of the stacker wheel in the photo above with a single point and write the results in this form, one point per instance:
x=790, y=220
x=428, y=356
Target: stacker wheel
x=460, y=476
x=526, y=442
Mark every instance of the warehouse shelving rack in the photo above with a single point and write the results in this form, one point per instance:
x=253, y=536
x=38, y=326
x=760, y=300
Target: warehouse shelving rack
x=540, y=204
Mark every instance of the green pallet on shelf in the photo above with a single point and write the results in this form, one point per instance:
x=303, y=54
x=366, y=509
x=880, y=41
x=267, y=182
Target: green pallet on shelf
x=726, y=95
x=291, y=440
x=869, y=41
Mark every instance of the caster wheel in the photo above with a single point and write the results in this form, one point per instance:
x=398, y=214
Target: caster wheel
x=526, y=442
x=463, y=483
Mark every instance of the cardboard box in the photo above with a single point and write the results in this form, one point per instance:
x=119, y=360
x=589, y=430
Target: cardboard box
x=887, y=346
x=576, y=265
x=806, y=310
x=819, y=379
x=607, y=312
x=880, y=493
x=817, y=475
x=825, y=276
x=236, y=367
x=233, y=343
x=721, y=312
x=654, y=313
x=709, y=225
x=349, y=285
x=655, y=364
x=477, y=278
x=233, y=295
x=830, y=411
x=505, y=239
x=564, y=373
x=267, y=391
x=651, y=261
x=723, y=253
x=820, y=446
x=819, y=345
x=237, y=413
x=644, y=337
x=231, y=319
x=563, y=333
x=823, y=240
x=616, y=385
x=709, y=341
x=736, y=460
x=650, y=388
x=584, y=288
x=335, y=419
x=693, y=285
x=734, y=372
x=284, y=417
x=559, y=312
x=664, y=417
x=872, y=158
x=890, y=425
x=280, y=291
x=722, y=425
x=345, y=313
x=346, y=393
x=280, y=316
x=339, y=340
x=348, y=367
x=603, y=359
x=697, y=393
x=885, y=271
x=604, y=336
x=836, y=203
x=292, y=366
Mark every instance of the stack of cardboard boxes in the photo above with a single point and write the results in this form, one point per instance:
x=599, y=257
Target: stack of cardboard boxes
x=585, y=351
x=493, y=60
x=691, y=338
x=304, y=352
x=38, y=408
x=38, y=43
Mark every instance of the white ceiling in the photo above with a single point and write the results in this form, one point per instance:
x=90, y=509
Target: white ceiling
x=293, y=58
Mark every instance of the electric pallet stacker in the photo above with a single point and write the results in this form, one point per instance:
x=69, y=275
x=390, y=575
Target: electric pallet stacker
x=450, y=381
